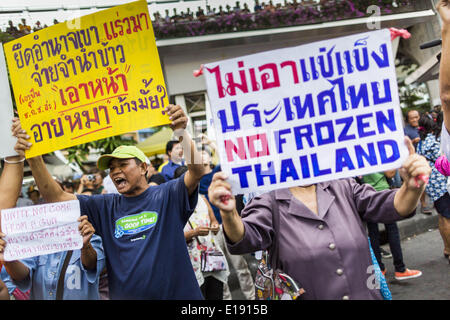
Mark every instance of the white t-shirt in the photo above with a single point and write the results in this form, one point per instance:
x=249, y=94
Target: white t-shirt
x=445, y=142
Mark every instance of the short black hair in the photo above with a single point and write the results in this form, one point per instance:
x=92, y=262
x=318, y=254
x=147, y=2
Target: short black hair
x=179, y=171
x=170, y=144
x=428, y=126
x=68, y=184
x=157, y=178
x=96, y=170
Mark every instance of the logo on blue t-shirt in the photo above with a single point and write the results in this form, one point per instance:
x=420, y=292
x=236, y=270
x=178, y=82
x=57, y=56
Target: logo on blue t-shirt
x=135, y=224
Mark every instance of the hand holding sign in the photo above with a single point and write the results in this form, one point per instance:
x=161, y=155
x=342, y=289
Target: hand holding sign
x=86, y=229
x=22, y=143
x=219, y=193
x=177, y=116
x=415, y=171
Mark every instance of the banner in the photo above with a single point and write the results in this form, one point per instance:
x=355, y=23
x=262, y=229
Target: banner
x=307, y=114
x=100, y=76
x=42, y=229
x=6, y=111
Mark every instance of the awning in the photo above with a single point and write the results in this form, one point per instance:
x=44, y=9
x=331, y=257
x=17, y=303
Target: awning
x=156, y=143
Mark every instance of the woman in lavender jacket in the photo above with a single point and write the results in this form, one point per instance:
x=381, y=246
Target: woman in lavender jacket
x=322, y=241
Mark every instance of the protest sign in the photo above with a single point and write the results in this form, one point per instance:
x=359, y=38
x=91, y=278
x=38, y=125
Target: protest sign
x=42, y=229
x=307, y=114
x=101, y=79
x=6, y=111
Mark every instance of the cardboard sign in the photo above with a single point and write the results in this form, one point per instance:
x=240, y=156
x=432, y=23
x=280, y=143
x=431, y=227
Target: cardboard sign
x=312, y=113
x=42, y=229
x=6, y=111
x=100, y=79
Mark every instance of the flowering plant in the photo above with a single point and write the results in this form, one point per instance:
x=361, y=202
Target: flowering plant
x=326, y=11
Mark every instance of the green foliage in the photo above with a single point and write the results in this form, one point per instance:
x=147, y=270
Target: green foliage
x=80, y=152
x=5, y=37
x=413, y=96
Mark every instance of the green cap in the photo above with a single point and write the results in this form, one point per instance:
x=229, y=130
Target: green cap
x=121, y=152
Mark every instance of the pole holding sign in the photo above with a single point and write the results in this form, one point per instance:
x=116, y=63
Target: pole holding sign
x=307, y=114
x=100, y=77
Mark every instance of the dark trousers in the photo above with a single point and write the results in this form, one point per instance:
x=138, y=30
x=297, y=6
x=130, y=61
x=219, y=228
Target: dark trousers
x=212, y=289
x=394, y=244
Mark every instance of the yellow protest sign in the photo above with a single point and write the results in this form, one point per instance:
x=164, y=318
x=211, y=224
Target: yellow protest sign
x=88, y=79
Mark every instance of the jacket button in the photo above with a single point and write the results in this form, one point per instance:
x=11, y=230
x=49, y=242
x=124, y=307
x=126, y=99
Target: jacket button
x=320, y=226
x=339, y=272
x=332, y=246
x=345, y=298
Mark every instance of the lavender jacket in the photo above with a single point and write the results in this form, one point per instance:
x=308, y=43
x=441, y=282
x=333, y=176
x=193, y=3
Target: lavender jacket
x=327, y=254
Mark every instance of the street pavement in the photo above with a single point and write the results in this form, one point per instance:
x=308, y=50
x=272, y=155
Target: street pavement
x=422, y=250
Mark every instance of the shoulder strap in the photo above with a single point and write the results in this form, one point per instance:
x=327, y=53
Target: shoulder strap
x=60, y=287
x=273, y=256
x=196, y=238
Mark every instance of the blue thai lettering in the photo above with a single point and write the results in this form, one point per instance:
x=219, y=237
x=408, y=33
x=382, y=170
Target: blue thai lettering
x=288, y=170
x=343, y=160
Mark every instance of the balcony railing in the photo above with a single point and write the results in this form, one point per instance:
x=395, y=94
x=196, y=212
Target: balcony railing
x=302, y=14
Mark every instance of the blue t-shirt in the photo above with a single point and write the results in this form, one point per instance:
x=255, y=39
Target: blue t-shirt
x=169, y=169
x=144, y=242
x=411, y=132
x=205, y=182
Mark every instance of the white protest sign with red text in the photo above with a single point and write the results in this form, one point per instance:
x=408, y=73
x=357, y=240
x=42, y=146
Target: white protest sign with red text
x=42, y=229
x=307, y=114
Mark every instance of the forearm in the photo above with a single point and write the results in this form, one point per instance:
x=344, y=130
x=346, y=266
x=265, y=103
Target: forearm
x=233, y=225
x=407, y=199
x=16, y=270
x=48, y=187
x=192, y=156
x=193, y=161
x=4, y=295
x=189, y=235
x=89, y=257
x=80, y=188
x=444, y=75
x=11, y=183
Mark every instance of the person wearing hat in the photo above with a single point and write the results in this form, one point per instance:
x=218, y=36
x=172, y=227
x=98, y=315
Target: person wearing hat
x=142, y=227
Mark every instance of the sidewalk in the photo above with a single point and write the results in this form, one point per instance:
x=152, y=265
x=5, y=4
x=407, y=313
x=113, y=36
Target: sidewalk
x=418, y=224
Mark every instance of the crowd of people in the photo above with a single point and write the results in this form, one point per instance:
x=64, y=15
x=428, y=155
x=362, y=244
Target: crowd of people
x=195, y=229
x=211, y=233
